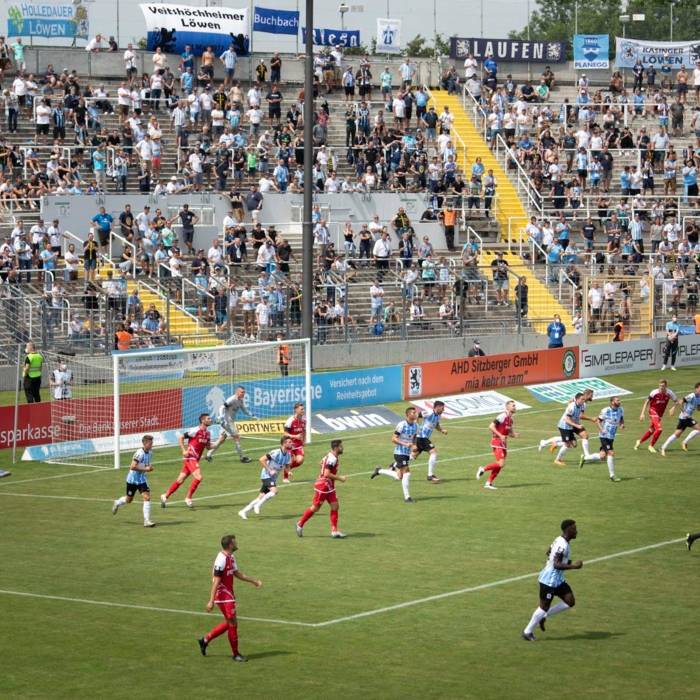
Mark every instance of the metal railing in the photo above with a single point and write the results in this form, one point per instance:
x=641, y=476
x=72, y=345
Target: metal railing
x=126, y=244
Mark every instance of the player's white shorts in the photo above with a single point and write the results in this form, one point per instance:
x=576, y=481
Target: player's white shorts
x=229, y=427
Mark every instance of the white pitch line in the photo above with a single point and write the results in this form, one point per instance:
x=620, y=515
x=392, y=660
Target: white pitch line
x=347, y=618
x=109, y=604
x=55, y=476
x=454, y=422
x=234, y=493
x=485, y=586
x=57, y=498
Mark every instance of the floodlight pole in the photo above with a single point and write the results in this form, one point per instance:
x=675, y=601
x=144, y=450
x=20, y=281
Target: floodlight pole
x=307, y=231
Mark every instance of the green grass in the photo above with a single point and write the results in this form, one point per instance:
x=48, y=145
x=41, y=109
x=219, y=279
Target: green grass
x=632, y=634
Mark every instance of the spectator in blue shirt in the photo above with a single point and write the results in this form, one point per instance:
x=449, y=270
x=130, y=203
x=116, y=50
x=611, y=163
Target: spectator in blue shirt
x=556, y=331
x=103, y=225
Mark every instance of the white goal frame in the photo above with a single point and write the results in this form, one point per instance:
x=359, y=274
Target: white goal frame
x=117, y=358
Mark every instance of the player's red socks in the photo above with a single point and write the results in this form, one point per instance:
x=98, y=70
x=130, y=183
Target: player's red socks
x=171, y=489
x=308, y=514
x=193, y=487
x=657, y=435
x=285, y=473
x=494, y=469
x=233, y=638
x=646, y=436
x=334, y=520
x=216, y=632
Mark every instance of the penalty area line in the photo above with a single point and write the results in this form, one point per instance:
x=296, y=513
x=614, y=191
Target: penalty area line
x=148, y=608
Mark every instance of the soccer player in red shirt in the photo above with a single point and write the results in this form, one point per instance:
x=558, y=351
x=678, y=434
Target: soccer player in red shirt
x=295, y=428
x=657, y=401
x=501, y=428
x=325, y=490
x=198, y=440
x=223, y=573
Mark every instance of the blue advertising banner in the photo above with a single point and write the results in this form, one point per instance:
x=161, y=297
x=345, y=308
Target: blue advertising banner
x=591, y=51
x=331, y=37
x=276, y=397
x=275, y=21
x=510, y=50
x=172, y=27
x=50, y=20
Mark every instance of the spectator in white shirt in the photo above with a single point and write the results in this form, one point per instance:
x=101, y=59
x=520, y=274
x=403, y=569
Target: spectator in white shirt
x=95, y=45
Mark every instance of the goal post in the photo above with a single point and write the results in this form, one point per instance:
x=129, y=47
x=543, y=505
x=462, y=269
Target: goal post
x=113, y=401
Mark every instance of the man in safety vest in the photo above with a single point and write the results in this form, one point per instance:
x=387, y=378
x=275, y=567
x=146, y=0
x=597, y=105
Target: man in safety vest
x=33, y=363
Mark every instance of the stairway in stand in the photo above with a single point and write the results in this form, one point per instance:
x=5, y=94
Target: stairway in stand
x=510, y=209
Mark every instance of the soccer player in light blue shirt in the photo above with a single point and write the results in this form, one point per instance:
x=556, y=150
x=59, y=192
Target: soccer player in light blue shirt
x=403, y=439
x=430, y=422
x=610, y=420
x=553, y=581
x=272, y=464
x=136, y=480
x=690, y=404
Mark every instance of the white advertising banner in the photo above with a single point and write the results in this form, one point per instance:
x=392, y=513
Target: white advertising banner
x=481, y=403
x=635, y=355
x=388, y=36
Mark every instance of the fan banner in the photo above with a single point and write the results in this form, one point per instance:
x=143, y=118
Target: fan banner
x=656, y=53
x=510, y=50
x=388, y=35
x=172, y=27
x=275, y=21
x=49, y=20
x=591, y=51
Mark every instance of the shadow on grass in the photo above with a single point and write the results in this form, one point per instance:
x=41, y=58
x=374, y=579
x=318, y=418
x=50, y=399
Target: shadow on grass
x=525, y=486
x=433, y=498
x=168, y=523
x=589, y=635
x=290, y=516
x=265, y=654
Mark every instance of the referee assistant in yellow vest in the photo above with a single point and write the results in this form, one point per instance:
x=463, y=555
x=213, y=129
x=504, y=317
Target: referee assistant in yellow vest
x=33, y=363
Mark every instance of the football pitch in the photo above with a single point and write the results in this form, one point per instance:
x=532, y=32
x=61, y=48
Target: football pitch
x=423, y=600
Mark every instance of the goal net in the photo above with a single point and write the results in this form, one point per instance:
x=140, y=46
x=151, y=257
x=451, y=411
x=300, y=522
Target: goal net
x=102, y=406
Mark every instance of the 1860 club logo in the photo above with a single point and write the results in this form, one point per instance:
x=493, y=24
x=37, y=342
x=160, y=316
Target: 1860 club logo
x=415, y=381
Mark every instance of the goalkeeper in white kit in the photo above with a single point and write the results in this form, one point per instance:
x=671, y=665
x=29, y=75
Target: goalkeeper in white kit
x=226, y=418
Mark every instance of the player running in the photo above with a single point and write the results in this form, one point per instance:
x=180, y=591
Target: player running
x=431, y=421
x=226, y=417
x=403, y=439
x=272, y=463
x=558, y=441
x=657, y=401
x=325, y=491
x=689, y=404
x=553, y=581
x=295, y=428
x=224, y=571
x=610, y=420
x=198, y=439
x=136, y=480
x=501, y=428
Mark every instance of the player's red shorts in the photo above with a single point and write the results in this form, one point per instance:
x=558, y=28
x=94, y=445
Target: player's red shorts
x=655, y=420
x=298, y=451
x=499, y=449
x=190, y=465
x=228, y=609
x=321, y=494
